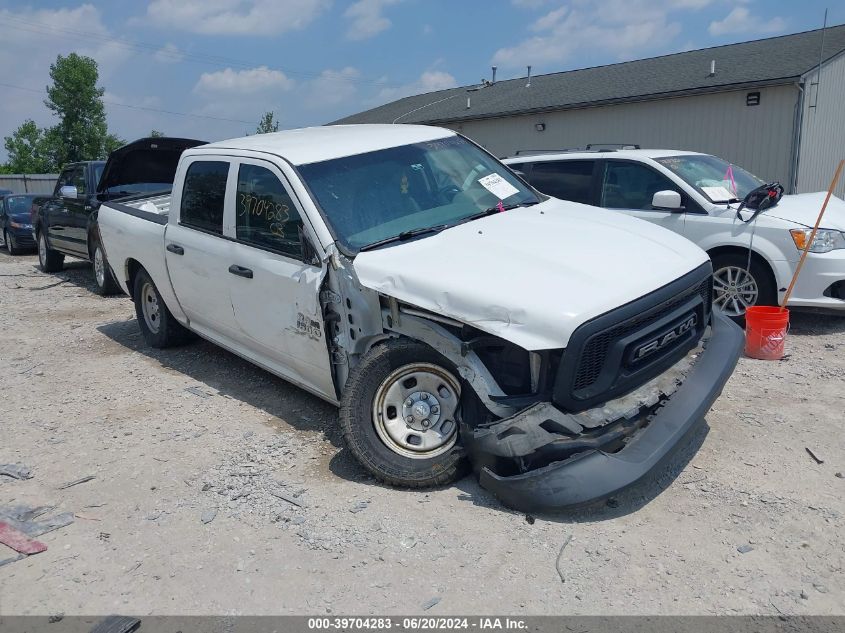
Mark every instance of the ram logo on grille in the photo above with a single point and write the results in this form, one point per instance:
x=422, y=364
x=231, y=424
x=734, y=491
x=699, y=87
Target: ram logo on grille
x=657, y=344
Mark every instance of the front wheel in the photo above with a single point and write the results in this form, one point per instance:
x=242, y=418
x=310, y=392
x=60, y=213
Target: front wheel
x=103, y=277
x=158, y=326
x=11, y=247
x=49, y=261
x=400, y=413
x=738, y=286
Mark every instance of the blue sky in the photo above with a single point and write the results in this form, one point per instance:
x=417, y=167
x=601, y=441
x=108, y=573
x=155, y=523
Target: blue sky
x=220, y=64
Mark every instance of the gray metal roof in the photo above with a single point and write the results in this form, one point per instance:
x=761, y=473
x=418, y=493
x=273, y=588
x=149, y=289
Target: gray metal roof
x=773, y=60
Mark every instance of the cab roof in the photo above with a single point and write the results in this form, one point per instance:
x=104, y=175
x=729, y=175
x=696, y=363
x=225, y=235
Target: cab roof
x=315, y=144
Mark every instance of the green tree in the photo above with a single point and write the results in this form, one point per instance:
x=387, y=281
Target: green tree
x=81, y=133
x=156, y=134
x=267, y=124
x=29, y=151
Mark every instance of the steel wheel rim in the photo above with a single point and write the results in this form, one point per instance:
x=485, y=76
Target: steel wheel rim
x=99, y=267
x=414, y=411
x=42, y=249
x=8, y=241
x=735, y=290
x=150, y=308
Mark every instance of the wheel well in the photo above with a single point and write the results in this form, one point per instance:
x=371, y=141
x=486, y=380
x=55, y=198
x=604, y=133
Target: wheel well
x=755, y=256
x=132, y=268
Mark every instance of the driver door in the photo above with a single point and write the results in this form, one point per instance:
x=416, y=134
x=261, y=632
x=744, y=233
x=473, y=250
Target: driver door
x=274, y=286
x=629, y=186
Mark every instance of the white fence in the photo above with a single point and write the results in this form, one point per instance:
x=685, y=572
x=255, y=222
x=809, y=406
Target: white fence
x=29, y=183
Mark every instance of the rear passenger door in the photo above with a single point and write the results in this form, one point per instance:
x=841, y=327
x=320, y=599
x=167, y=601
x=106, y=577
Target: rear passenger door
x=564, y=179
x=273, y=284
x=629, y=186
x=197, y=253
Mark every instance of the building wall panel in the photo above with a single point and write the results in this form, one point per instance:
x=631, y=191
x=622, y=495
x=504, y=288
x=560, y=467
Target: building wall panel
x=823, y=129
x=759, y=138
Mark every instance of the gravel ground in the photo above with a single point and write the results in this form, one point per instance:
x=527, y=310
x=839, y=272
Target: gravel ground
x=220, y=489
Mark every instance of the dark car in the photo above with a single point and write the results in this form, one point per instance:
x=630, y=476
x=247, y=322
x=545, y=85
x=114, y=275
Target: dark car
x=16, y=223
x=66, y=224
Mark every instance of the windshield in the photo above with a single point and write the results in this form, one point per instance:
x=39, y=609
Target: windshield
x=375, y=196
x=716, y=179
x=19, y=205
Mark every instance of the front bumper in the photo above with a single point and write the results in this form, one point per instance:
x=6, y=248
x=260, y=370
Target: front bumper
x=817, y=285
x=23, y=237
x=595, y=473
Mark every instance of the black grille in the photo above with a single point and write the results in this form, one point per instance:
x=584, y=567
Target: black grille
x=595, y=351
x=605, y=359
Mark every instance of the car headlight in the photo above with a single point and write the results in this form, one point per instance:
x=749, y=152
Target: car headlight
x=19, y=225
x=825, y=241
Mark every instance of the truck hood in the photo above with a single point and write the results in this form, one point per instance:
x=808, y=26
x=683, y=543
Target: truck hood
x=532, y=275
x=803, y=208
x=142, y=166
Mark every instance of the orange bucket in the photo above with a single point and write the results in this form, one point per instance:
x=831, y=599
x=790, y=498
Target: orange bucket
x=765, y=332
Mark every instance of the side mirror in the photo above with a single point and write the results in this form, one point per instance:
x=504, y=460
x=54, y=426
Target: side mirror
x=69, y=192
x=667, y=201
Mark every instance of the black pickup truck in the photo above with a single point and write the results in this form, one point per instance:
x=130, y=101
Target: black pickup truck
x=66, y=223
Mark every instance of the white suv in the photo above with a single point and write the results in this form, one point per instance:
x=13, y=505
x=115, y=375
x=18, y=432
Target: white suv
x=697, y=195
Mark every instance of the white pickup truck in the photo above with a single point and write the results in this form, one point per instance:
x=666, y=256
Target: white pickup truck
x=453, y=313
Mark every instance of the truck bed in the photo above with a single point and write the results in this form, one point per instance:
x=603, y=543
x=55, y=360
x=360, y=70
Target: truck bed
x=133, y=230
x=153, y=207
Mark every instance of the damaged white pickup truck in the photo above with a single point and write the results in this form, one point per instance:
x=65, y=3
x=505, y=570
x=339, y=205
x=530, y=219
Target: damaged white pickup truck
x=457, y=316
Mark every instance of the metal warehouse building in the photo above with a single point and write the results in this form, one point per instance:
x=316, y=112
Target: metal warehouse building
x=758, y=104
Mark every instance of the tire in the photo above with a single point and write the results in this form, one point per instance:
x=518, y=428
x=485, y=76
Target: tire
x=388, y=450
x=757, y=280
x=158, y=326
x=104, y=281
x=11, y=247
x=49, y=261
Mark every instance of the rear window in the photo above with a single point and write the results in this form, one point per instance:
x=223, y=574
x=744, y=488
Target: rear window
x=203, y=196
x=567, y=180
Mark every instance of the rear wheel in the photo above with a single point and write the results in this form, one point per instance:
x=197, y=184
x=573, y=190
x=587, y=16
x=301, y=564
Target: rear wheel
x=158, y=326
x=50, y=261
x=103, y=277
x=400, y=413
x=738, y=286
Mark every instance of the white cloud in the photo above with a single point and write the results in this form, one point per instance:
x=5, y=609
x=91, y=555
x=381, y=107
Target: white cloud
x=429, y=81
x=332, y=88
x=740, y=20
x=235, y=17
x=623, y=28
x=168, y=54
x=366, y=18
x=241, y=82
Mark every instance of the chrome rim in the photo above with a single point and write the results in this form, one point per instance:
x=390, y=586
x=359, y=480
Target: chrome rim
x=8, y=241
x=99, y=267
x=42, y=249
x=735, y=290
x=414, y=411
x=150, y=308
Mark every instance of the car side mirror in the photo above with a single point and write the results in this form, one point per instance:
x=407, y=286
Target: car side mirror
x=69, y=192
x=667, y=201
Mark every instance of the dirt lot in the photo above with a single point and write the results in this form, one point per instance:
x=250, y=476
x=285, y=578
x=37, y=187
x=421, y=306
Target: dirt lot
x=193, y=450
